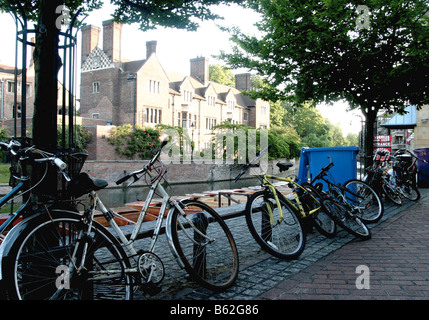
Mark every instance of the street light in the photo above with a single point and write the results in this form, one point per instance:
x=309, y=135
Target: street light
x=192, y=141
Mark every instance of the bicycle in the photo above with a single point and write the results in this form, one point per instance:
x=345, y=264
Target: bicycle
x=22, y=158
x=84, y=260
x=276, y=222
x=394, y=175
x=349, y=204
x=405, y=173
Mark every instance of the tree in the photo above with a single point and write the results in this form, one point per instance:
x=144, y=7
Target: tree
x=47, y=62
x=221, y=74
x=375, y=56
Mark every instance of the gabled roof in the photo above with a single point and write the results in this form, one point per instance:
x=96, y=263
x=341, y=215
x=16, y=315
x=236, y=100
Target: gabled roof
x=97, y=59
x=133, y=66
x=8, y=69
x=405, y=121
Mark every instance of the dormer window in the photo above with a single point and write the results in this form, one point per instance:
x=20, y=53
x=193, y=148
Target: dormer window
x=187, y=96
x=211, y=101
x=230, y=106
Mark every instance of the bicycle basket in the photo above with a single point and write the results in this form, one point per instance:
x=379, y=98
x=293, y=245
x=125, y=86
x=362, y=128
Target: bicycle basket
x=74, y=163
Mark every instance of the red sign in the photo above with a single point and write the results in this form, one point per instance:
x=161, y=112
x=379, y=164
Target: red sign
x=383, y=142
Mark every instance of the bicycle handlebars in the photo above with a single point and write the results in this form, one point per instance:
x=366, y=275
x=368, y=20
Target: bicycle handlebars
x=323, y=171
x=14, y=145
x=259, y=154
x=147, y=167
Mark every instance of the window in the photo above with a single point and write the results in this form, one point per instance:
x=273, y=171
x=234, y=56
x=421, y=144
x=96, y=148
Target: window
x=10, y=87
x=95, y=116
x=184, y=120
x=187, y=96
x=153, y=86
x=18, y=110
x=153, y=115
x=230, y=106
x=245, y=116
x=211, y=101
x=210, y=123
x=95, y=87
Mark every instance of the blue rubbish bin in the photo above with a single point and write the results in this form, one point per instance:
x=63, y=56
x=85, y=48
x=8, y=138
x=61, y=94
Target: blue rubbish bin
x=423, y=168
x=313, y=159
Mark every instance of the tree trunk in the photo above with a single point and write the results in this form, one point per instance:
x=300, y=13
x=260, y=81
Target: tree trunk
x=370, y=122
x=47, y=64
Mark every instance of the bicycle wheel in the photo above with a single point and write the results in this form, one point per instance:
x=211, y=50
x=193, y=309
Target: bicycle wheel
x=312, y=199
x=42, y=256
x=205, y=245
x=347, y=220
x=392, y=194
x=365, y=201
x=284, y=237
x=410, y=191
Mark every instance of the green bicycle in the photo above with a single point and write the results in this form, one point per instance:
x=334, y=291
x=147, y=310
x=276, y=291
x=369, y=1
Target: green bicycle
x=276, y=221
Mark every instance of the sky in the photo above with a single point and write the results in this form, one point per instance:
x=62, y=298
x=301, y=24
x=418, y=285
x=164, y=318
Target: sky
x=207, y=41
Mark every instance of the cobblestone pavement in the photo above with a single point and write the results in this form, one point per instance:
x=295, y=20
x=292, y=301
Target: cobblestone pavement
x=396, y=258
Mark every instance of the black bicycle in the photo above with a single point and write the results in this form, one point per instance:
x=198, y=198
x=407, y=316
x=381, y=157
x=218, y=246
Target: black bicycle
x=23, y=161
x=350, y=205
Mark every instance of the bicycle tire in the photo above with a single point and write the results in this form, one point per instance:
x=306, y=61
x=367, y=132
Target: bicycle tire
x=392, y=194
x=209, y=253
x=284, y=239
x=364, y=200
x=43, y=244
x=321, y=219
x=410, y=191
x=347, y=220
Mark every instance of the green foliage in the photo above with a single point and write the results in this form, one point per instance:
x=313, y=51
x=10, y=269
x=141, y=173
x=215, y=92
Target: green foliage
x=132, y=141
x=285, y=143
x=315, y=51
x=81, y=135
x=179, y=14
x=221, y=74
x=4, y=136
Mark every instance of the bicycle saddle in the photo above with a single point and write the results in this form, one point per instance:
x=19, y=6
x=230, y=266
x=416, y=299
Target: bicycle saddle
x=284, y=166
x=83, y=183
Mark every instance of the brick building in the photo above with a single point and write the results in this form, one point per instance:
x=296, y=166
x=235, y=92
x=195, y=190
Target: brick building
x=141, y=92
x=7, y=96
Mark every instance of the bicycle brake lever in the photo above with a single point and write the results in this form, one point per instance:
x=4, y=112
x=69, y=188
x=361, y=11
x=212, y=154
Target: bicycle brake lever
x=65, y=175
x=135, y=177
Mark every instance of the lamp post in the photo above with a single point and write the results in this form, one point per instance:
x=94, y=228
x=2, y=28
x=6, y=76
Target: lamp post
x=192, y=141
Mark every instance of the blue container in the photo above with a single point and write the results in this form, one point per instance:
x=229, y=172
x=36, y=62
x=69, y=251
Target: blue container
x=423, y=168
x=314, y=159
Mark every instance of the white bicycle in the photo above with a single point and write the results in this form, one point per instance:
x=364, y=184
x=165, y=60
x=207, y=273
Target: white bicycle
x=61, y=254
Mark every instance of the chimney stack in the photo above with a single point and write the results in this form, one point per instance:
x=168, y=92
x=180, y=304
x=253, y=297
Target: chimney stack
x=242, y=81
x=150, y=48
x=90, y=37
x=112, y=36
x=200, y=69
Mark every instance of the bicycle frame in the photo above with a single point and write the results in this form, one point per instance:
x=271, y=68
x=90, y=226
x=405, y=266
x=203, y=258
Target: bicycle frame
x=167, y=203
x=298, y=207
x=14, y=215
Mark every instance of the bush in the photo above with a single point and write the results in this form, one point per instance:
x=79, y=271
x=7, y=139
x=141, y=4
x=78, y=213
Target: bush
x=130, y=141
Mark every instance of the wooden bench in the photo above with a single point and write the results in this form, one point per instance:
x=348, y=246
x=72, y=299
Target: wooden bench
x=148, y=227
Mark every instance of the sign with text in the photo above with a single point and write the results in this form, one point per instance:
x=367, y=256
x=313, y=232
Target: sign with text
x=383, y=142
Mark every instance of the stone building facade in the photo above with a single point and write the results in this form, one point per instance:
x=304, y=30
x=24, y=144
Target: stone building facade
x=142, y=92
